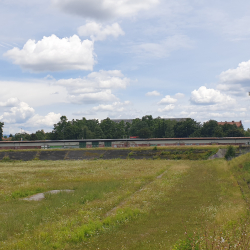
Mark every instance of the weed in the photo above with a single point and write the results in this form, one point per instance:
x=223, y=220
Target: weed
x=154, y=148
x=25, y=193
x=6, y=159
x=131, y=153
x=230, y=153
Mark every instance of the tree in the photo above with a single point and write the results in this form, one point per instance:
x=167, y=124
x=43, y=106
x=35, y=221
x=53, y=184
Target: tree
x=138, y=125
x=120, y=130
x=209, y=128
x=59, y=128
x=40, y=135
x=186, y=128
x=144, y=133
x=98, y=134
x=1, y=130
x=109, y=128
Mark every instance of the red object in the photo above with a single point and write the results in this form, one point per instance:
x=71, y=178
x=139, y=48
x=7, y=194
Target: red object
x=238, y=124
x=133, y=137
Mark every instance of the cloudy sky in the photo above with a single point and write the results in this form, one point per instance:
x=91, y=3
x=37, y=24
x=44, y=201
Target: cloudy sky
x=123, y=59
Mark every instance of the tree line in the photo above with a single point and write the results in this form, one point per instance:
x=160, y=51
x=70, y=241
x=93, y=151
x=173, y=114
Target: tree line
x=146, y=127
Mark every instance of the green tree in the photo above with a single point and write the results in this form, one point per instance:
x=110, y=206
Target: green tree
x=1, y=130
x=109, y=128
x=137, y=126
x=208, y=129
x=60, y=128
x=169, y=128
x=186, y=128
x=98, y=133
x=144, y=133
x=40, y=135
x=120, y=130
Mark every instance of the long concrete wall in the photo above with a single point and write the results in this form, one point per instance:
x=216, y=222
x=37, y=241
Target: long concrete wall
x=125, y=143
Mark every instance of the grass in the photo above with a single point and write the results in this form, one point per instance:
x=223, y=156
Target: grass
x=123, y=204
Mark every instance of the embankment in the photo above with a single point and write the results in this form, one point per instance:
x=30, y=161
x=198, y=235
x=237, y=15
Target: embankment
x=174, y=153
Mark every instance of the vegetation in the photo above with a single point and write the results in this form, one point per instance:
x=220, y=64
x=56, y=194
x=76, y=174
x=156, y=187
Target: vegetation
x=146, y=127
x=1, y=130
x=126, y=204
x=230, y=153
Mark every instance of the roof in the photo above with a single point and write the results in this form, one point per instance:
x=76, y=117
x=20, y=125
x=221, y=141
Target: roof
x=7, y=139
x=238, y=124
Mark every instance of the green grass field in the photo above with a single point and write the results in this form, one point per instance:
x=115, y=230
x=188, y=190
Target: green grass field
x=126, y=204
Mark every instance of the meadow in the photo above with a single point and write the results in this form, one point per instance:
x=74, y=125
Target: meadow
x=126, y=204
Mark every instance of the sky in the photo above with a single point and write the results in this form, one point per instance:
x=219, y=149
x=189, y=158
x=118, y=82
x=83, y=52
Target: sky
x=123, y=59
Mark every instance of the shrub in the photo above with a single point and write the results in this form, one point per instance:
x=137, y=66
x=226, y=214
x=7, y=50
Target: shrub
x=6, y=159
x=230, y=153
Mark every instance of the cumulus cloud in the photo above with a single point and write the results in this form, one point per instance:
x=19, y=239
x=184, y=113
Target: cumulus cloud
x=54, y=54
x=164, y=48
x=209, y=96
x=167, y=108
x=98, y=32
x=11, y=102
x=240, y=74
x=153, y=93
x=179, y=95
x=18, y=114
x=48, y=121
x=89, y=98
x=166, y=100
x=116, y=106
x=96, y=87
x=236, y=81
x=104, y=9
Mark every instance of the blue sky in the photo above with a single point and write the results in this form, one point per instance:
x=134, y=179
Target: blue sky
x=123, y=59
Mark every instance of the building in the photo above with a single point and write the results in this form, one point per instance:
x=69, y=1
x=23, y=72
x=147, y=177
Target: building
x=238, y=124
x=131, y=120
x=125, y=120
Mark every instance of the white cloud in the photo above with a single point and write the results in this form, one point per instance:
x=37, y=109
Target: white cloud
x=96, y=87
x=84, y=112
x=166, y=100
x=98, y=32
x=179, y=95
x=153, y=93
x=18, y=114
x=54, y=54
x=209, y=96
x=167, y=108
x=48, y=121
x=104, y=9
x=240, y=74
x=89, y=98
x=11, y=102
x=35, y=92
x=116, y=106
x=164, y=48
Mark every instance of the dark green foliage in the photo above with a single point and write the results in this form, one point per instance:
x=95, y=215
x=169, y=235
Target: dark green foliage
x=230, y=153
x=1, y=130
x=208, y=129
x=186, y=128
x=146, y=127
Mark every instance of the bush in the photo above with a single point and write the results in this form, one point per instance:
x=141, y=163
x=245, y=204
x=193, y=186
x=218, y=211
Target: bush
x=230, y=153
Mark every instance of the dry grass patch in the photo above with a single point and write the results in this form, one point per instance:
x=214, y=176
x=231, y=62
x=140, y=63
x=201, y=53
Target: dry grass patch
x=117, y=204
